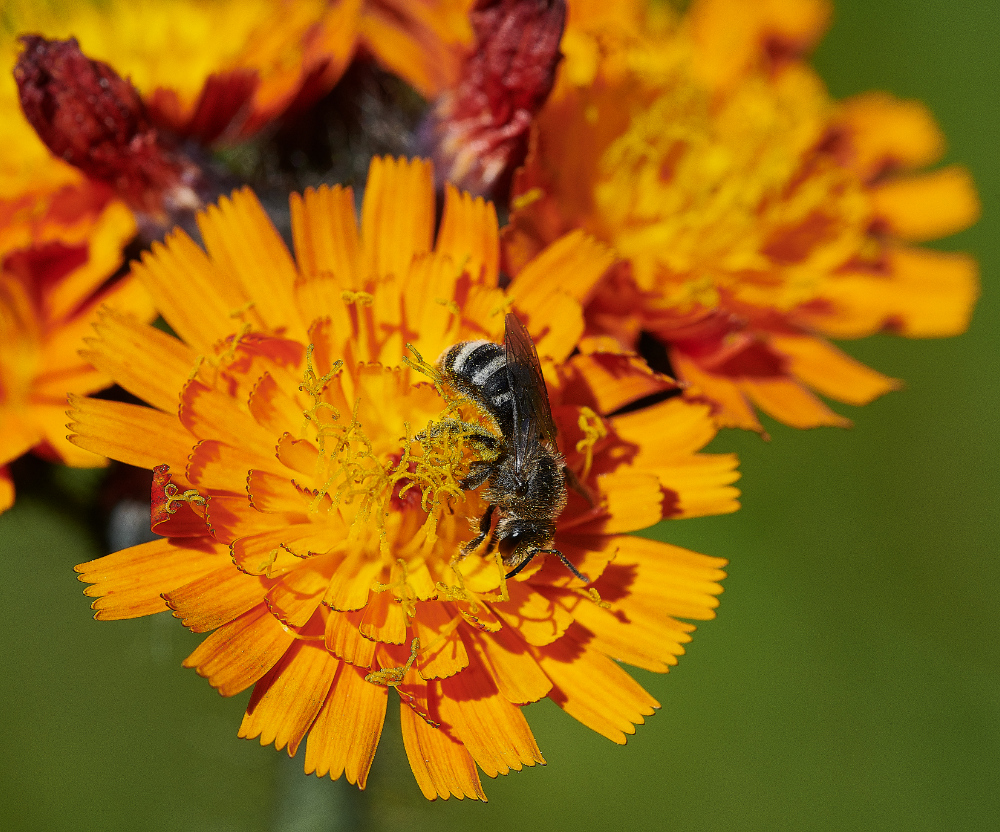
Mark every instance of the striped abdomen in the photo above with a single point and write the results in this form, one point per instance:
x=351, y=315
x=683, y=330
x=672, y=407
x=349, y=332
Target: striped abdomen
x=478, y=369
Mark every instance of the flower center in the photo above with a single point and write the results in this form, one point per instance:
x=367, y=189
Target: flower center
x=391, y=466
x=732, y=195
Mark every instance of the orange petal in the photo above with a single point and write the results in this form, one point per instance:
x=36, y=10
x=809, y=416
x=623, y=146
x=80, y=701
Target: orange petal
x=215, y=599
x=132, y=434
x=552, y=288
x=512, y=666
x=266, y=553
x=107, y=237
x=177, y=271
x=674, y=581
x=392, y=238
x=632, y=500
x=667, y=436
x=537, y=619
x=593, y=689
x=325, y=232
x=274, y=494
x=384, y=619
x=211, y=414
x=297, y=595
x=242, y=651
x=343, y=638
x=50, y=421
x=493, y=730
x=789, y=402
x=441, y=766
x=731, y=36
x=246, y=248
x=221, y=467
x=351, y=583
x=345, y=735
x=442, y=650
x=730, y=407
x=285, y=702
x=145, y=361
x=431, y=287
x=572, y=265
x=469, y=235
x=19, y=434
x=826, y=369
x=890, y=133
x=422, y=43
x=612, y=381
x=129, y=583
x=926, y=207
x=673, y=428
x=651, y=645
x=298, y=454
x=230, y=518
x=275, y=411
x=6, y=489
x=924, y=294
x=941, y=289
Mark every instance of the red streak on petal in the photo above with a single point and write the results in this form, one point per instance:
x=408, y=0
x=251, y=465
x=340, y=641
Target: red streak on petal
x=173, y=517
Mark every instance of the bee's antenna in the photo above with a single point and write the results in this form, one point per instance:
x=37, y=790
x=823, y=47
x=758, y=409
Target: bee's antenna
x=568, y=565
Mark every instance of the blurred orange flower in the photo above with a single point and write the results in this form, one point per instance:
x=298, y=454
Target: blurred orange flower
x=312, y=514
x=219, y=71
x=754, y=217
x=58, y=252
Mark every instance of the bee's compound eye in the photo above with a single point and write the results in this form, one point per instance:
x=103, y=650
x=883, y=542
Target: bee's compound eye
x=510, y=543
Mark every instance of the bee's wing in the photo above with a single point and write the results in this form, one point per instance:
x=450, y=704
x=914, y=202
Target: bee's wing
x=532, y=412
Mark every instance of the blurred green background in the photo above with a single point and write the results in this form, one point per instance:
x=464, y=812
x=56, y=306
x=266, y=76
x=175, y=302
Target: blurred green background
x=849, y=682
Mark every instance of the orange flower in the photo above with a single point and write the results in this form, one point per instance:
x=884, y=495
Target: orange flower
x=755, y=218
x=310, y=491
x=57, y=253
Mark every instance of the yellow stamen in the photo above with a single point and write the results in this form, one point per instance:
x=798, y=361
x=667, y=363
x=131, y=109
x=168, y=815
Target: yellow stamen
x=593, y=431
x=401, y=589
x=174, y=497
x=393, y=676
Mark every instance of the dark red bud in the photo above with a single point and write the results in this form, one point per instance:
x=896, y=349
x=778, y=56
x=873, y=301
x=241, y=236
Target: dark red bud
x=479, y=129
x=91, y=117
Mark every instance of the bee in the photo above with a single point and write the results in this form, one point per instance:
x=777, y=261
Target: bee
x=524, y=473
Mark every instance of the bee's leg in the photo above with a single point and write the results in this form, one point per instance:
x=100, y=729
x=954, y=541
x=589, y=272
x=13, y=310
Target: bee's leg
x=484, y=529
x=478, y=436
x=479, y=472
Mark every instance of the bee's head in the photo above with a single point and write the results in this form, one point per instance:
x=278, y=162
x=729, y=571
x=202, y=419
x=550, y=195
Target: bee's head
x=518, y=540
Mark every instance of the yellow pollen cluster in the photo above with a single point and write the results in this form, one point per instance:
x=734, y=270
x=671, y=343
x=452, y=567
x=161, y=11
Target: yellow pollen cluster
x=351, y=473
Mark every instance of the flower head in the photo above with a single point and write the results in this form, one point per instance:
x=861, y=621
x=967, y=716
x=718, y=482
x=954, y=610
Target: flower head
x=310, y=485
x=754, y=216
